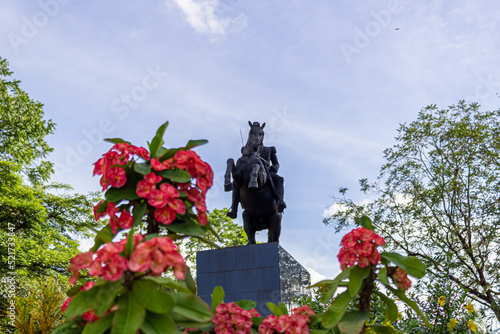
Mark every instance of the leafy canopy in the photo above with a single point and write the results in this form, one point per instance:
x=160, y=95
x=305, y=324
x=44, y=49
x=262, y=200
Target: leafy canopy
x=438, y=196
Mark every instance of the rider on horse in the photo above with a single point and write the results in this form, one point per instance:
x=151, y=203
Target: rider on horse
x=267, y=154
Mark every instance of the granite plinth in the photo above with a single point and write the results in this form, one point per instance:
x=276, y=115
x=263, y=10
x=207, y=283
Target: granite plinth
x=263, y=273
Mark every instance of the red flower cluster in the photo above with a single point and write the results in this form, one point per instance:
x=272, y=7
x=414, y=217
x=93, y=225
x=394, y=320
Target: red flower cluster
x=165, y=199
x=157, y=254
x=400, y=277
x=360, y=245
x=109, y=166
x=232, y=319
x=288, y=324
x=124, y=220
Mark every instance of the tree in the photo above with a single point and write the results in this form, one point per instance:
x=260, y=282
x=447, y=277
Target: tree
x=40, y=221
x=23, y=129
x=438, y=196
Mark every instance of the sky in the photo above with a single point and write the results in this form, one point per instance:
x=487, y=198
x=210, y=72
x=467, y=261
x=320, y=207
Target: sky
x=332, y=80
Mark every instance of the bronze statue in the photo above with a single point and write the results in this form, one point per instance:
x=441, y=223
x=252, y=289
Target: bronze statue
x=257, y=186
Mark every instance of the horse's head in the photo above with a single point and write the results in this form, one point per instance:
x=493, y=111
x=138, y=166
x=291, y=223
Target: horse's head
x=256, y=135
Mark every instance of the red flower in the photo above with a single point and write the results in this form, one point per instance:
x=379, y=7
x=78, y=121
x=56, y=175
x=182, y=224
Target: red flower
x=230, y=318
x=111, y=210
x=116, y=176
x=202, y=218
x=139, y=260
x=157, y=166
x=126, y=219
x=400, y=277
x=152, y=178
x=360, y=245
x=101, y=166
x=143, y=153
x=98, y=215
x=165, y=215
x=144, y=189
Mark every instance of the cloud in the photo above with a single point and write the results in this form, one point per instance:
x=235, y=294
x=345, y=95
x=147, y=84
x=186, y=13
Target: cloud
x=339, y=207
x=204, y=18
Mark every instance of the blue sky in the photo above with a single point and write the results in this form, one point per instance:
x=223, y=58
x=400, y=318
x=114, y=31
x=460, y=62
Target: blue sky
x=331, y=79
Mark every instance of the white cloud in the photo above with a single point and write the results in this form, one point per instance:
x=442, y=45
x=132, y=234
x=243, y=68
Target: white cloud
x=335, y=208
x=339, y=207
x=204, y=19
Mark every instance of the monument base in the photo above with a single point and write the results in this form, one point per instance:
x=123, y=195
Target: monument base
x=263, y=273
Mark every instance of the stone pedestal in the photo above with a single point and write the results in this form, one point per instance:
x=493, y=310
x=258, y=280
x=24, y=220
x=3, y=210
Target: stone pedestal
x=263, y=273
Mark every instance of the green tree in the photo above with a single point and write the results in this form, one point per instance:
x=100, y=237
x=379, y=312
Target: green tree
x=40, y=221
x=437, y=197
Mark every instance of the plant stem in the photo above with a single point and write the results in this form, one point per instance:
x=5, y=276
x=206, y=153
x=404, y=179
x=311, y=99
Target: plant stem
x=366, y=294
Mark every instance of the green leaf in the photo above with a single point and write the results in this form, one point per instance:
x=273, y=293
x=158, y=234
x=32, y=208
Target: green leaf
x=275, y=309
x=176, y=175
x=283, y=308
x=129, y=316
x=190, y=282
x=169, y=283
x=129, y=247
x=100, y=326
x=82, y=302
x=106, y=296
x=391, y=311
x=105, y=235
x=142, y=168
x=119, y=194
x=157, y=141
x=356, y=278
x=366, y=223
x=116, y=140
x=336, y=311
x=410, y=264
x=353, y=322
x=217, y=297
x=191, y=307
x=187, y=228
x=246, y=304
x=138, y=212
x=382, y=276
x=401, y=294
x=327, y=288
x=381, y=329
x=149, y=294
x=158, y=324
x=194, y=143
x=73, y=291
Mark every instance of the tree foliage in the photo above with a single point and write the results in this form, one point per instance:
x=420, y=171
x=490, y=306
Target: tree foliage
x=40, y=221
x=23, y=129
x=438, y=197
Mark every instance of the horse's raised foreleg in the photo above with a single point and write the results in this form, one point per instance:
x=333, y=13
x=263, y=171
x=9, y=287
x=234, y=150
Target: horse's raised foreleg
x=228, y=185
x=248, y=226
x=254, y=182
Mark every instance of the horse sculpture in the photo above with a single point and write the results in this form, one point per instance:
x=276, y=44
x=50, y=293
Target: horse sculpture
x=257, y=193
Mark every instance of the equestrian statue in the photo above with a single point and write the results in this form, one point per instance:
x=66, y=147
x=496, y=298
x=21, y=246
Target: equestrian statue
x=257, y=186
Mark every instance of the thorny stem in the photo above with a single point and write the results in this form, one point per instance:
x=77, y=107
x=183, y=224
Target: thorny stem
x=152, y=223
x=366, y=294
